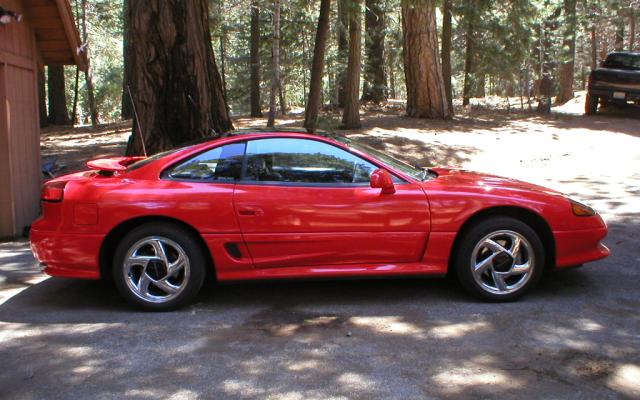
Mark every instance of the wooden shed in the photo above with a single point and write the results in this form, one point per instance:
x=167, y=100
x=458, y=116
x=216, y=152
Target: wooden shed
x=33, y=33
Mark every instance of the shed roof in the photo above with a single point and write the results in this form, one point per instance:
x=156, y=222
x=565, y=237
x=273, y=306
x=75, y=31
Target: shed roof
x=56, y=33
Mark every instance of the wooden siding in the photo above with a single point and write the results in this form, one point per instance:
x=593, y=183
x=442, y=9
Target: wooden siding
x=16, y=38
x=20, y=176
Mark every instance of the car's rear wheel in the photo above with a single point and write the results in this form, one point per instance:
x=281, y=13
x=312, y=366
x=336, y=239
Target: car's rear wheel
x=499, y=259
x=591, y=104
x=159, y=266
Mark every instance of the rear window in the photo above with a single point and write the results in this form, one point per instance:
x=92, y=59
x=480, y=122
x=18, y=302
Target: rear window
x=142, y=163
x=625, y=61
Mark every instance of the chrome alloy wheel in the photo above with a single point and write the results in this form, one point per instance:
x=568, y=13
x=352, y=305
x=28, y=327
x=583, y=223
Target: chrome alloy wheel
x=502, y=262
x=156, y=269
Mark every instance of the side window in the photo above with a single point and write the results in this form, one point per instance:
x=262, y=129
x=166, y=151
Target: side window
x=304, y=161
x=222, y=164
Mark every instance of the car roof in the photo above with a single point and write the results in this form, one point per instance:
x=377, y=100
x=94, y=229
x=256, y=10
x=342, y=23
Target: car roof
x=248, y=131
x=257, y=131
x=625, y=53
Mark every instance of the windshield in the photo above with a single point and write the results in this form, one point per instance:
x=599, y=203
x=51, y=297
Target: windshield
x=627, y=61
x=414, y=172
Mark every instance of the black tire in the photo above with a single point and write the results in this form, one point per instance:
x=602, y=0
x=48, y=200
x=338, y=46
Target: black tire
x=463, y=261
x=174, y=237
x=591, y=105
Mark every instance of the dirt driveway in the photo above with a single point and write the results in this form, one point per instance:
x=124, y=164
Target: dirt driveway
x=576, y=336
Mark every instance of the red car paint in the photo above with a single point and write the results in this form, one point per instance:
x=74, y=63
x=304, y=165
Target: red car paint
x=293, y=231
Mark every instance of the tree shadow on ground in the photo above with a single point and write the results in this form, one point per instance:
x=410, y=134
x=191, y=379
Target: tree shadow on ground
x=369, y=338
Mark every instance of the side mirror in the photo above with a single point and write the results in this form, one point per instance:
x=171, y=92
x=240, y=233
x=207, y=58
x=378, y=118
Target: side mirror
x=381, y=179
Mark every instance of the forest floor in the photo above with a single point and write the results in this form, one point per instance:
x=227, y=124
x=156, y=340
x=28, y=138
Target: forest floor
x=577, y=335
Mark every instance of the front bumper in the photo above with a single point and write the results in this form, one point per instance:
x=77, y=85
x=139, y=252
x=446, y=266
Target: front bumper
x=67, y=255
x=580, y=246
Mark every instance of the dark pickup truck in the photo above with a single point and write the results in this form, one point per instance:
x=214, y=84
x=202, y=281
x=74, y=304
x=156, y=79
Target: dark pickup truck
x=617, y=81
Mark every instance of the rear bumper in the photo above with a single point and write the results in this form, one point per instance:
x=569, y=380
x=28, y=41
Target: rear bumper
x=67, y=255
x=606, y=92
x=580, y=246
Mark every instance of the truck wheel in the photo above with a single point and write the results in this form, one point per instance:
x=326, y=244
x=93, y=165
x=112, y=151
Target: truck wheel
x=591, y=105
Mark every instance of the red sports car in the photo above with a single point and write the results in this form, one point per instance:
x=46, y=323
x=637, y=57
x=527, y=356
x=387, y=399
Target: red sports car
x=262, y=205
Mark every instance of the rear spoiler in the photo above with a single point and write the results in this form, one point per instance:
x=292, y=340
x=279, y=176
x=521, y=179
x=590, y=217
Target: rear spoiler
x=113, y=164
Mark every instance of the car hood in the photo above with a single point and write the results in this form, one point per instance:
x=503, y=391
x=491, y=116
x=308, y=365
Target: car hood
x=461, y=178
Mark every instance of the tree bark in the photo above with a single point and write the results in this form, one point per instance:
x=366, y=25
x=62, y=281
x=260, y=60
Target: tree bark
x=317, y=68
x=93, y=109
x=76, y=93
x=282, y=93
x=223, y=60
x=126, y=111
x=351, y=114
x=58, y=113
x=275, y=62
x=594, y=48
x=446, y=51
x=632, y=30
x=426, y=97
x=42, y=98
x=374, y=87
x=391, y=71
x=76, y=86
x=619, y=39
x=568, y=53
x=176, y=86
x=256, y=106
x=343, y=48
x=469, y=20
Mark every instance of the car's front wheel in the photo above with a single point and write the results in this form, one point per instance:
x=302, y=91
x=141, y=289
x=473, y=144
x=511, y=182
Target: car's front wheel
x=499, y=259
x=159, y=266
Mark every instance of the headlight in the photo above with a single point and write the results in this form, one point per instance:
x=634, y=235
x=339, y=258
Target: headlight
x=581, y=210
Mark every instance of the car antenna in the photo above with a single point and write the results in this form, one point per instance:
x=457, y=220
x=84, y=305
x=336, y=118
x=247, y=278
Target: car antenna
x=135, y=113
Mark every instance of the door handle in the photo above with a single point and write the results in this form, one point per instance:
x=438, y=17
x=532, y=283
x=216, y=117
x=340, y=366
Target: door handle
x=250, y=211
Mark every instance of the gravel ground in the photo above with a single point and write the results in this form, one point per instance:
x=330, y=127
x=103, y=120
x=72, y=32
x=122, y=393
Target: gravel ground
x=576, y=336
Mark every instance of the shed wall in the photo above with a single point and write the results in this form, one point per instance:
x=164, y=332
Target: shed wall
x=20, y=175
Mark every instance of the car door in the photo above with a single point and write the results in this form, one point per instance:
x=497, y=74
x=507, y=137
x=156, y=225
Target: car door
x=306, y=202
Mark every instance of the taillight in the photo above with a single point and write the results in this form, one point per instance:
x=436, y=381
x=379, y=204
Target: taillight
x=53, y=191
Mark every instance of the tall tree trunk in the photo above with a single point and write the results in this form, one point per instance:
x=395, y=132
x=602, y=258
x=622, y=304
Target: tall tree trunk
x=175, y=81
x=619, y=39
x=568, y=53
x=282, y=93
x=42, y=98
x=594, y=48
x=426, y=97
x=256, y=106
x=223, y=60
x=317, y=68
x=126, y=110
x=469, y=21
x=446, y=51
x=76, y=93
x=76, y=86
x=275, y=62
x=374, y=88
x=343, y=48
x=58, y=114
x=546, y=84
x=351, y=114
x=391, y=71
x=93, y=110
x=632, y=30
